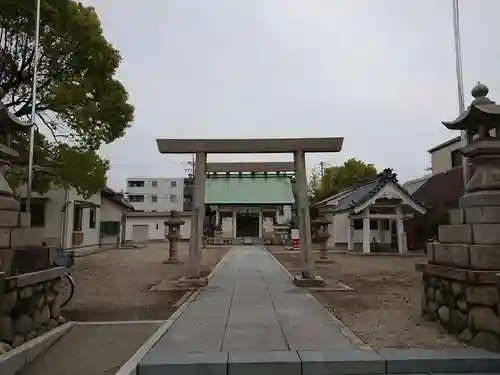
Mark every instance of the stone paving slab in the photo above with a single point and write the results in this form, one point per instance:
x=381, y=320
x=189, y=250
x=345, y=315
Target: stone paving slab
x=264, y=363
x=173, y=363
x=342, y=362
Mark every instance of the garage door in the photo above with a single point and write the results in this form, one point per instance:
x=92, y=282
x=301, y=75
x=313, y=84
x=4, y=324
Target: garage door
x=140, y=233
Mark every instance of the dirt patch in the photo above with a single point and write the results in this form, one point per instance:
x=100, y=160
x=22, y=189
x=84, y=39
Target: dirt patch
x=114, y=284
x=384, y=308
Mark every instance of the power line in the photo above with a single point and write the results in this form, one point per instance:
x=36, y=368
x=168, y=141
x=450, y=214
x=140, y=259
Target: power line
x=322, y=168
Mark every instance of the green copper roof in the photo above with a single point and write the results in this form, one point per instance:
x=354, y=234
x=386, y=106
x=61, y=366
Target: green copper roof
x=249, y=190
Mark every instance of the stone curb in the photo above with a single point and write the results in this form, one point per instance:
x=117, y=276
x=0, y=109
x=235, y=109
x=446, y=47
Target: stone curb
x=130, y=367
x=281, y=266
x=338, y=362
x=15, y=360
x=221, y=262
x=119, y=322
x=77, y=254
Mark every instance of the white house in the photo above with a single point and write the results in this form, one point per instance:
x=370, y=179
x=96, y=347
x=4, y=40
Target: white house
x=113, y=217
x=371, y=215
x=150, y=226
x=71, y=221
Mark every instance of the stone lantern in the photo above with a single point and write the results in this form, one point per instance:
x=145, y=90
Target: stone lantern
x=321, y=236
x=460, y=276
x=218, y=234
x=173, y=236
x=8, y=124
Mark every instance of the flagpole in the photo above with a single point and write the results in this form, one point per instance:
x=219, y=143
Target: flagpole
x=33, y=108
x=460, y=83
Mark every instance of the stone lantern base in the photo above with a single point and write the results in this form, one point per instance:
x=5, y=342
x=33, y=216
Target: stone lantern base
x=192, y=282
x=461, y=280
x=324, y=261
x=172, y=261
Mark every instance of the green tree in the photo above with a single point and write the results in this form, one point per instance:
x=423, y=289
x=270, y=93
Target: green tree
x=80, y=105
x=338, y=178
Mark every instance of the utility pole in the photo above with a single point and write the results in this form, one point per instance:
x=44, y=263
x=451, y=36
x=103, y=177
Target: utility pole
x=460, y=84
x=322, y=168
x=192, y=164
x=29, y=185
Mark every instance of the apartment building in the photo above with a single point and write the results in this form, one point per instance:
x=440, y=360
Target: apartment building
x=156, y=194
x=446, y=156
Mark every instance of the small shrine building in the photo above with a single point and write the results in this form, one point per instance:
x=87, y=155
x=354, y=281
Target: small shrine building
x=370, y=217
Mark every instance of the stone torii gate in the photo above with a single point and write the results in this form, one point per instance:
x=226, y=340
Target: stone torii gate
x=297, y=146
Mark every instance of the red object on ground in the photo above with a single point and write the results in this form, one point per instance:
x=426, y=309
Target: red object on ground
x=296, y=244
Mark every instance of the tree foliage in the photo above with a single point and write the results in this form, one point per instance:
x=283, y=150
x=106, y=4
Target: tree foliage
x=80, y=105
x=338, y=178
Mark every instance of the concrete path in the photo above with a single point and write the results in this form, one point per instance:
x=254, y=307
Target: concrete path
x=252, y=305
x=92, y=349
x=251, y=319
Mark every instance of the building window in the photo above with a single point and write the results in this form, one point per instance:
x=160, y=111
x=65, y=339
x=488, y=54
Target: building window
x=135, y=184
x=77, y=218
x=456, y=158
x=110, y=228
x=136, y=198
x=385, y=224
x=154, y=198
x=358, y=224
x=154, y=183
x=37, y=213
x=173, y=183
x=373, y=224
x=173, y=198
x=92, y=216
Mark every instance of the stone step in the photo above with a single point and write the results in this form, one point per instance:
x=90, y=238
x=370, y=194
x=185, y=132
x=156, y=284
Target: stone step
x=459, y=233
x=342, y=362
x=475, y=215
x=475, y=257
x=479, y=234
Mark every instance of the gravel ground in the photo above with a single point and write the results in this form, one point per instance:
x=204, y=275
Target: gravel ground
x=114, y=284
x=384, y=308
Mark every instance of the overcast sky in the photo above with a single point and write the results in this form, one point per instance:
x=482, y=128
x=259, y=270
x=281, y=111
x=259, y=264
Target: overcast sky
x=380, y=73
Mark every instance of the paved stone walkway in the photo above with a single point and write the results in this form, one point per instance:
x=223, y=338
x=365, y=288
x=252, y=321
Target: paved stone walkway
x=251, y=319
x=251, y=304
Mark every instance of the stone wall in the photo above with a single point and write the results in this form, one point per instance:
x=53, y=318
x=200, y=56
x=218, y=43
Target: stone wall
x=469, y=310
x=30, y=305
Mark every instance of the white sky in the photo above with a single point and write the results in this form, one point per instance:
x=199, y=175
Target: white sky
x=380, y=73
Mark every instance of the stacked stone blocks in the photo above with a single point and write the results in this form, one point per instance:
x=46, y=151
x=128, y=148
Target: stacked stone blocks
x=29, y=310
x=461, y=287
x=462, y=275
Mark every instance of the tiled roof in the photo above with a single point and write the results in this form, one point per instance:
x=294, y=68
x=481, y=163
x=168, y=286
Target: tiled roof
x=441, y=189
x=412, y=186
x=247, y=189
x=363, y=193
x=359, y=195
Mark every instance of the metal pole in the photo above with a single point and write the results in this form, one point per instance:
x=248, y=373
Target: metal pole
x=460, y=83
x=33, y=108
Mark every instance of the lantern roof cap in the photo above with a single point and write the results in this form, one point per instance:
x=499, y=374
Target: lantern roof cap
x=482, y=111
